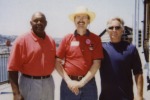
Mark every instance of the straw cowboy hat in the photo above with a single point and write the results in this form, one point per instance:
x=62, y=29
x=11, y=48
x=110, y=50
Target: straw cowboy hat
x=82, y=10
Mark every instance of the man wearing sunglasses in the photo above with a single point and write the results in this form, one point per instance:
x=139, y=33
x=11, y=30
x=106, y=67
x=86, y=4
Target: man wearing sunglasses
x=121, y=58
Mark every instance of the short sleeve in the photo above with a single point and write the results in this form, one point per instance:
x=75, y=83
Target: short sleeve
x=16, y=57
x=98, y=51
x=137, y=65
x=61, y=50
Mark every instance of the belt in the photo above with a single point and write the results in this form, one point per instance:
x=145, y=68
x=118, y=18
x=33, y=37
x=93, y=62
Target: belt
x=78, y=78
x=36, y=77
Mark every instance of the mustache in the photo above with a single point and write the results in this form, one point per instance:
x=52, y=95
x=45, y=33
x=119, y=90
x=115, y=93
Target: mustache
x=81, y=22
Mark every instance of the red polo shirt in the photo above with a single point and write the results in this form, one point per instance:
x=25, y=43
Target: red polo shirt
x=79, y=52
x=32, y=55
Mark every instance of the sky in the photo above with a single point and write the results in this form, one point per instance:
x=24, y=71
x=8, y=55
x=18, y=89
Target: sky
x=15, y=15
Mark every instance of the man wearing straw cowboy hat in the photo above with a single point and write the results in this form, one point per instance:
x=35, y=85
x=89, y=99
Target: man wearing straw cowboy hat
x=81, y=54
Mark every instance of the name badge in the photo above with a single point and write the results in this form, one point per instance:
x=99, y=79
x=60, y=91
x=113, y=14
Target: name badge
x=75, y=43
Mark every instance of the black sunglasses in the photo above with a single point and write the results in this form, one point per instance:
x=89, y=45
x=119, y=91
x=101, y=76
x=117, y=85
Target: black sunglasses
x=112, y=27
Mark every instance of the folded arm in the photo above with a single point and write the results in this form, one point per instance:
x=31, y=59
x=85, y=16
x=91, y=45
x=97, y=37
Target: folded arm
x=91, y=73
x=71, y=83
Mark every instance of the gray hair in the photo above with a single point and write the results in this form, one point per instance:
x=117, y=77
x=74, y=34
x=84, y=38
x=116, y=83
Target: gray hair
x=118, y=19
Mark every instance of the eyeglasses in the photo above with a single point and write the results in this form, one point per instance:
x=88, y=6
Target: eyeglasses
x=116, y=27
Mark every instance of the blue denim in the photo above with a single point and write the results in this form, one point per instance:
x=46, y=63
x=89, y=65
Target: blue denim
x=88, y=92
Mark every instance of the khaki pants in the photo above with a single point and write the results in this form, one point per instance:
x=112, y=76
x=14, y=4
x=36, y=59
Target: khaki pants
x=37, y=89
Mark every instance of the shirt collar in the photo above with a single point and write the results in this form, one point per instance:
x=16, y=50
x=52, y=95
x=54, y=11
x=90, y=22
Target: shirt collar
x=35, y=37
x=86, y=34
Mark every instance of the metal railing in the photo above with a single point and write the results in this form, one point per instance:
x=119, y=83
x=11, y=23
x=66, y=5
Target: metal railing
x=3, y=67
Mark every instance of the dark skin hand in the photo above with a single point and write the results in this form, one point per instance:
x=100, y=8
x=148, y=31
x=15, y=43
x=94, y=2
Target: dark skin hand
x=13, y=78
x=38, y=23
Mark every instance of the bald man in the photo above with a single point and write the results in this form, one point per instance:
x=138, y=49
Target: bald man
x=33, y=56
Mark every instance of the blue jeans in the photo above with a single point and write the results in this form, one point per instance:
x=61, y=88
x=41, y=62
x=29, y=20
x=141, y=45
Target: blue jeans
x=88, y=92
